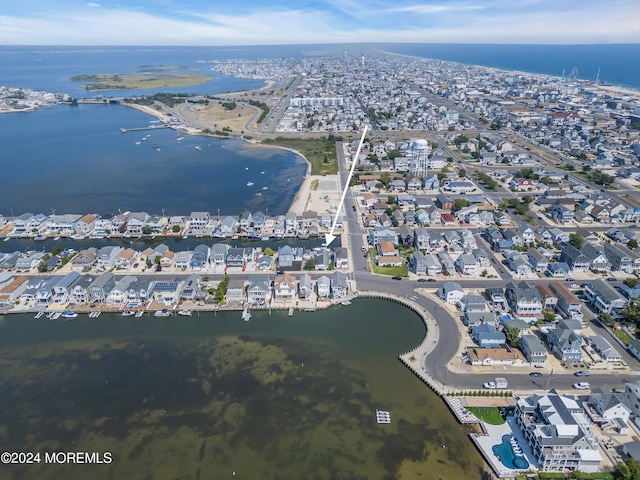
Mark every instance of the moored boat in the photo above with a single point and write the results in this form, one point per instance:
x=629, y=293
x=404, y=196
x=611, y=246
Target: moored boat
x=128, y=313
x=69, y=314
x=184, y=313
x=162, y=313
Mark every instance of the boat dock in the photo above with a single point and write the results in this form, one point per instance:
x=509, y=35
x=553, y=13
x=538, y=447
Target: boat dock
x=291, y=311
x=138, y=129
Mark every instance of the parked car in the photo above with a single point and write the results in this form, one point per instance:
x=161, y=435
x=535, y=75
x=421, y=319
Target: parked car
x=489, y=385
x=568, y=279
x=581, y=386
x=535, y=374
x=574, y=286
x=396, y=278
x=422, y=280
x=431, y=280
x=582, y=373
x=612, y=279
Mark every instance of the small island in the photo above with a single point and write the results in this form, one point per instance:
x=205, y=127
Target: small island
x=150, y=78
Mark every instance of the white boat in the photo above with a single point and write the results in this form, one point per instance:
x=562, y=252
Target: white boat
x=39, y=238
x=69, y=314
x=198, y=147
x=180, y=139
x=250, y=184
x=246, y=168
x=139, y=313
x=262, y=173
x=259, y=194
x=128, y=313
x=162, y=313
x=184, y=313
x=39, y=314
x=137, y=143
x=346, y=302
x=265, y=188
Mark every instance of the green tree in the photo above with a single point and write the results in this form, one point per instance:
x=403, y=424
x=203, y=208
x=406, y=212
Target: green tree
x=269, y=251
x=628, y=469
x=606, y=319
x=146, y=230
x=42, y=266
x=513, y=337
x=391, y=199
x=632, y=244
x=175, y=228
x=57, y=250
x=576, y=240
x=460, y=203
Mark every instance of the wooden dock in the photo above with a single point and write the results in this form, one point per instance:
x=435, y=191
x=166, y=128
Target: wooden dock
x=139, y=129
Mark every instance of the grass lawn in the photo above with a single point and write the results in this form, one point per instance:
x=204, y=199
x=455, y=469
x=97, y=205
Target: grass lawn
x=491, y=415
x=115, y=81
x=321, y=152
x=401, y=271
x=623, y=336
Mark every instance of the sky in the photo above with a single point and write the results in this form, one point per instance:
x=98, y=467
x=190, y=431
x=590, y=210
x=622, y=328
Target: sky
x=272, y=22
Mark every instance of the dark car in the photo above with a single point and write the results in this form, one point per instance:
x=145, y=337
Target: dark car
x=431, y=280
x=421, y=280
x=279, y=272
x=612, y=279
x=354, y=207
x=535, y=374
x=135, y=265
x=396, y=278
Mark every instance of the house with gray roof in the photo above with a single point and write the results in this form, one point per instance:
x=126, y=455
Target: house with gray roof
x=466, y=264
x=62, y=289
x=235, y=292
x=558, y=269
x=565, y=341
x=568, y=304
x=339, y=285
x=524, y=300
x=191, y=287
x=621, y=257
x=538, y=261
x=433, y=265
x=604, y=297
x=84, y=260
x=101, y=286
x=598, y=261
x=486, y=335
x=451, y=292
x=577, y=260
x=417, y=263
x=304, y=287
x=604, y=349
x=79, y=292
x=323, y=286
x=259, y=290
x=533, y=350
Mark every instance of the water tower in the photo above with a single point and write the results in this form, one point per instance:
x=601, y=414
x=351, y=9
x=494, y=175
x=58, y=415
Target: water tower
x=419, y=157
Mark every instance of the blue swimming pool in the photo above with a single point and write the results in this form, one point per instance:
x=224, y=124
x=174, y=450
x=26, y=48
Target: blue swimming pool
x=506, y=452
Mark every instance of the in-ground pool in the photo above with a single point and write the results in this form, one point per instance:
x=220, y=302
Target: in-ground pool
x=505, y=452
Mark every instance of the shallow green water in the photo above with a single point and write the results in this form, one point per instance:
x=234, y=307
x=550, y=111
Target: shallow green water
x=201, y=398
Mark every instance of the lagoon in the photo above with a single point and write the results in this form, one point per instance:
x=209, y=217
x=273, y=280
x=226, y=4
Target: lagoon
x=201, y=397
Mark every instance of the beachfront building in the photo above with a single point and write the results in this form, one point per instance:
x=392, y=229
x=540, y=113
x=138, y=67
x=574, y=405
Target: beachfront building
x=558, y=432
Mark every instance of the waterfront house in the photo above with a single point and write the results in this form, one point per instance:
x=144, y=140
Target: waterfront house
x=533, y=350
x=257, y=223
x=218, y=255
x=126, y=258
x=44, y=295
x=264, y=262
x=62, y=289
x=190, y=288
x=451, y=292
x=136, y=223
x=86, y=224
x=323, y=287
x=284, y=288
x=101, y=286
x=417, y=263
x=235, y=292
x=84, y=260
x=322, y=259
x=304, y=287
x=198, y=223
x=140, y=291
x=167, y=292
x=27, y=261
x=79, y=291
x=11, y=292
x=259, y=290
x=200, y=258
x=227, y=227
x=108, y=257
x=182, y=260
x=236, y=257
x=166, y=260
x=495, y=356
x=558, y=432
x=603, y=297
x=339, y=285
x=118, y=295
x=62, y=224
x=285, y=256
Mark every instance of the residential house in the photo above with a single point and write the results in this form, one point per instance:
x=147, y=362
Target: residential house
x=217, y=255
x=323, y=287
x=79, y=291
x=339, y=285
x=568, y=304
x=284, y=288
x=486, y=335
x=538, y=261
x=603, y=297
x=382, y=234
x=259, y=290
x=549, y=299
x=84, y=260
x=62, y=289
x=108, y=257
x=604, y=349
x=167, y=292
x=598, y=261
x=304, y=287
x=524, y=300
x=86, y=224
x=118, y=294
x=417, y=263
x=558, y=432
x=341, y=258
x=451, y=292
x=126, y=258
x=140, y=291
x=466, y=264
x=533, y=350
x=235, y=292
x=101, y=286
x=182, y=260
x=433, y=265
x=492, y=356
x=558, y=269
x=11, y=292
x=562, y=214
x=200, y=258
x=575, y=259
x=621, y=257
x=565, y=341
x=609, y=406
x=198, y=223
x=191, y=288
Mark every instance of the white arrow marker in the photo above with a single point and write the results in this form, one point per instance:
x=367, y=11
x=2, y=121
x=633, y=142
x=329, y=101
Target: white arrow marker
x=330, y=237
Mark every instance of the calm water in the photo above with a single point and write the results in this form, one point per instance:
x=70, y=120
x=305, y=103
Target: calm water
x=276, y=397
x=75, y=160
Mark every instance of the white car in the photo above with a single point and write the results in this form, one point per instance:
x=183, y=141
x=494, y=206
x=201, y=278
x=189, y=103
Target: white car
x=574, y=286
x=489, y=385
x=582, y=386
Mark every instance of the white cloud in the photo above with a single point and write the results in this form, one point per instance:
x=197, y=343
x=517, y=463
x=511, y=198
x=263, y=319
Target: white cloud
x=93, y=4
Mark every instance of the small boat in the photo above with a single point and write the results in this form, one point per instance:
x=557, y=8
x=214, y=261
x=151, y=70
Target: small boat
x=246, y=168
x=69, y=314
x=265, y=188
x=39, y=238
x=259, y=194
x=158, y=149
x=144, y=139
x=155, y=145
x=262, y=172
x=346, y=302
x=250, y=184
x=39, y=314
x=128, y=313
x=180, y=139
x=139, y=313
x=137, y=143
x=184, y=313
x=162, y=313
x=198, y=147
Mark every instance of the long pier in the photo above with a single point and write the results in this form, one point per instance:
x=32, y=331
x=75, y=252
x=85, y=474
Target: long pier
x=138, y=129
